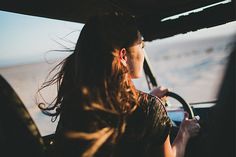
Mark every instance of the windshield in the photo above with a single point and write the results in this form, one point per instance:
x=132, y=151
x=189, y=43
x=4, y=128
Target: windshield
x=191, y=65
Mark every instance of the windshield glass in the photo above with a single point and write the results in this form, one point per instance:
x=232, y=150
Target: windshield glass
x=191, y=64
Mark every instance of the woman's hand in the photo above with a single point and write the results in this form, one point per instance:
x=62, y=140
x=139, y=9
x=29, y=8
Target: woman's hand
x=159, y=91
x=189, y=127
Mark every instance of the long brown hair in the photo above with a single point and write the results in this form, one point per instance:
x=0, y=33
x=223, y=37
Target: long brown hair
x=92, y=78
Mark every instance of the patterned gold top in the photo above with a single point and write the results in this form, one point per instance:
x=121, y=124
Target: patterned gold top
x=146, y=130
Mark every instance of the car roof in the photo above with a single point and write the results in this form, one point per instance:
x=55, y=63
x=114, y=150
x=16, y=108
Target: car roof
x=150, y=14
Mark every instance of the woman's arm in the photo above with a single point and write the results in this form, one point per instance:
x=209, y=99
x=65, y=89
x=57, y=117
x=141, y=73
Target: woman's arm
x=188, y=128
x=177, y=149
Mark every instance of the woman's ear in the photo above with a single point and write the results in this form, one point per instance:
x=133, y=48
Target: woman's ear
x=123, y=57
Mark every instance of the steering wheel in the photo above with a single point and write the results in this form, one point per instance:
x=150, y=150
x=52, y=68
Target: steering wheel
x=186, y=106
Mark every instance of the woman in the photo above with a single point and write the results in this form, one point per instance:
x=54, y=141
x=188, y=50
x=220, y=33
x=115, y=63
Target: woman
x=101, y=112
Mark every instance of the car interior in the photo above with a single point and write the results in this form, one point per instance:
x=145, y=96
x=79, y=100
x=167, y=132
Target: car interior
x=20, y=135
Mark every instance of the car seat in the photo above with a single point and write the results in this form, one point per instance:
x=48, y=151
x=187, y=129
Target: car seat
x=18, y=133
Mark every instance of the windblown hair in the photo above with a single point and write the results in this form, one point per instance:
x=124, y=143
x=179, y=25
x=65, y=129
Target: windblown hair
x=92, y=78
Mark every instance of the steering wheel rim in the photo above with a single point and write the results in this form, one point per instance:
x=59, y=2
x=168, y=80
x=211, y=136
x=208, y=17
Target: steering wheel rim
x=185, y=105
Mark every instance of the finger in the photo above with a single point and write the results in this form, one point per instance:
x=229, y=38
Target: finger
x=197, y=117
x=194, y=120
x=198, y=125
x=196, y=131
x=195, y=134
x=196, y=128
x=186, y=115
x=164, y=89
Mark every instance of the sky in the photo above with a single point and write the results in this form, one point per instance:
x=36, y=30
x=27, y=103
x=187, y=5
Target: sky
x=27, y=39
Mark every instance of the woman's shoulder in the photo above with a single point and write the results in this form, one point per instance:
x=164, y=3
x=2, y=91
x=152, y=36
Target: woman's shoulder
x=150, y=102
x=146, y=96
x=157, y=117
